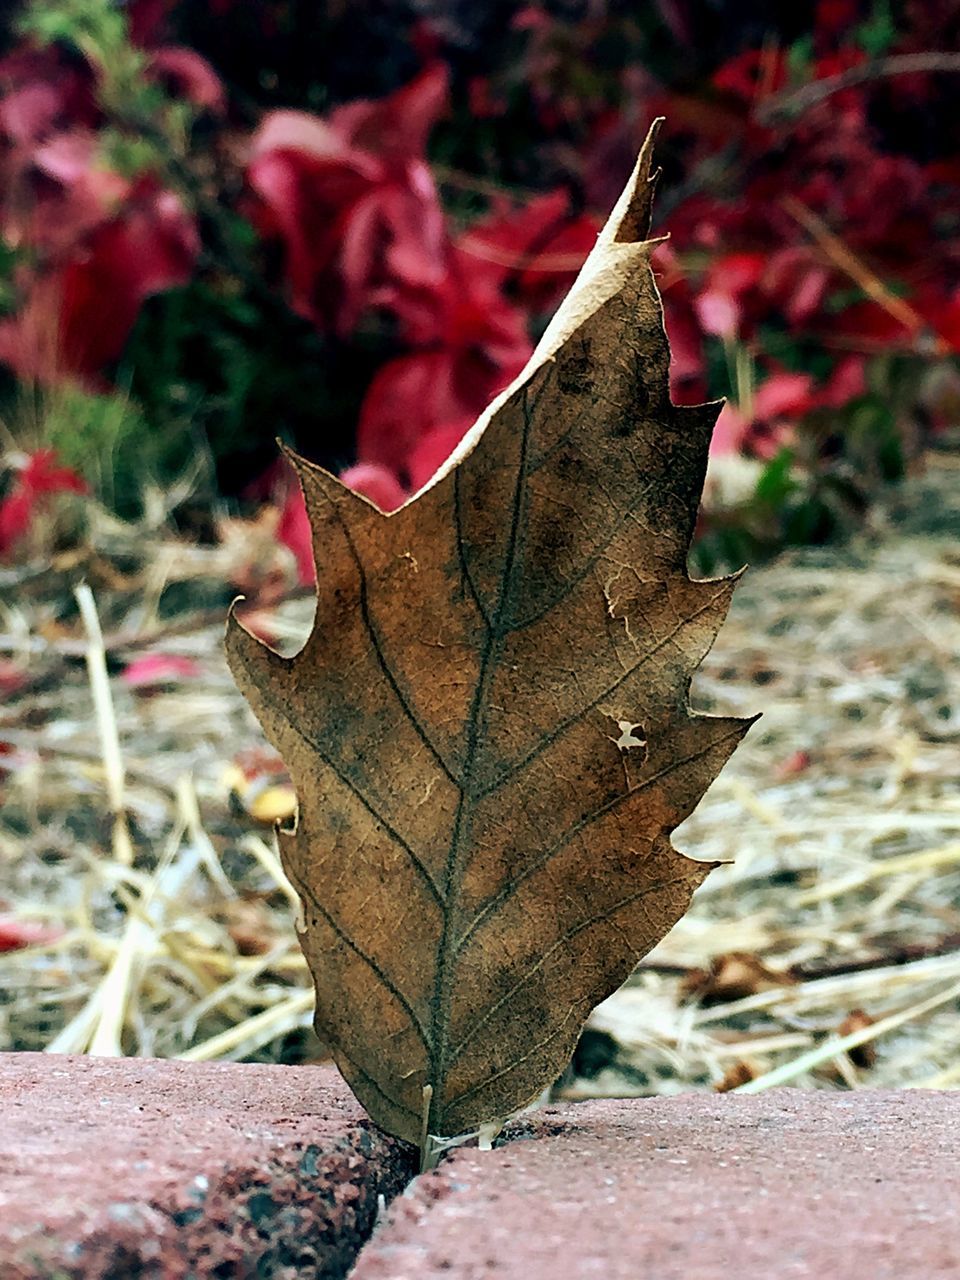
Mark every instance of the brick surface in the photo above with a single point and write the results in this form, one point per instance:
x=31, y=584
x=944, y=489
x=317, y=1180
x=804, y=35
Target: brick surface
x=134, y=1169
x=701, y=1187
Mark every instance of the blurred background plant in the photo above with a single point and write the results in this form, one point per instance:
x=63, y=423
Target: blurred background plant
x=225, y=222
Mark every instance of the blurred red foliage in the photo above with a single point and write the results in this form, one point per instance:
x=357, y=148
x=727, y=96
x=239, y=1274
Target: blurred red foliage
x=38, y=479
x=353, y=199
x=802, y=247
x=94, y=243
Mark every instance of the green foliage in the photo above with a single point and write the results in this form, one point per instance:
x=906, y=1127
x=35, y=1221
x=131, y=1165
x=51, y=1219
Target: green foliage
x=104, y=437
x=146, y=127
x=877, y=34
x=213, y=362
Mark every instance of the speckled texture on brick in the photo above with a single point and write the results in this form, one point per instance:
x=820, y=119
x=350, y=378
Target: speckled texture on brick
x=136, y=1169
x=791, y=1184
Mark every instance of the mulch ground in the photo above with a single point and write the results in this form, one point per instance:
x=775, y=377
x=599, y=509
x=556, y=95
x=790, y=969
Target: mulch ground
x=826, y=953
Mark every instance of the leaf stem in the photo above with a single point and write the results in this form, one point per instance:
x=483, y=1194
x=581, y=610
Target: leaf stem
x=429, y=1151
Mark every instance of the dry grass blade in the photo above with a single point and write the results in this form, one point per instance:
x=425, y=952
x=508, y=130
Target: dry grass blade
x=836, y=1045
x=106, y=721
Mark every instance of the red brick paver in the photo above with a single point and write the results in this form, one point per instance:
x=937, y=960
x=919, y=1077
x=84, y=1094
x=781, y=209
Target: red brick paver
x=134, y=1169
x=790, y=1184
x=142, y=1170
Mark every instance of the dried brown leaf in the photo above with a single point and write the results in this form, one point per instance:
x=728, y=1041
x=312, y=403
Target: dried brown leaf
x=732, y=976
x=488, y=728
x=862, y=1055
x=736, y=1075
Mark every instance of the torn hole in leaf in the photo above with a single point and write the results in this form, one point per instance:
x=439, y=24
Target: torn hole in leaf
x=632, y=735
x=286, y=829
x=288, y=826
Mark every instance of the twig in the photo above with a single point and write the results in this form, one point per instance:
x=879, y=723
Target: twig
x=428, y=1154
x=98, y=1027
x=453, y=177
x=909, y=953
x=847, y=261
x=520, y=262
x=789, y=105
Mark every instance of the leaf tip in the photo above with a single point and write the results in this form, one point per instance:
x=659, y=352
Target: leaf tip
x=233, y=622
x=631, y=219
x=296, y=460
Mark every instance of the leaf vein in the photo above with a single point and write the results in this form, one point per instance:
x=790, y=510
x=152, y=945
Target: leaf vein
x=512, y=1065
x=374, y=637
x=416, y=861
x=448, y=948
x=562, y=941
x=387, y=983
x=462, y=553
x=338, y=1050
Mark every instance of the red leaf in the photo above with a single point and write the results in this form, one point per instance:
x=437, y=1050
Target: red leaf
x=433, y=449
x=406, y=397
x=873, y=326
x=718, y=313
x=158, y=668
x=147, y=19
x=72, y=195
x=190, y=75
x=730, y=431
x=538, y=249
x=377, y=484
x=736, y=273
x=943, y=315
x=39, y=478
x=41, y=90
x=797, y=762
x=42, y=474
x=783, y=394
x=78, y=318
x=152, y=247
x=16, y=934
x=847, y=381
x=835, y=17
x=754, y=73
x=16, y=512
x=352, y=199
x=796, y=283
x=396, y=127
x=687, y=382
x=30, y=111
x=13, y=678
x=477, y=352
x=778, y=403
x=293, y=531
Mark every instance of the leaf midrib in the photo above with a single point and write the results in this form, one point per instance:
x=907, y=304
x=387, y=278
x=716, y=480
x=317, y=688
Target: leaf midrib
x=495, y=635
